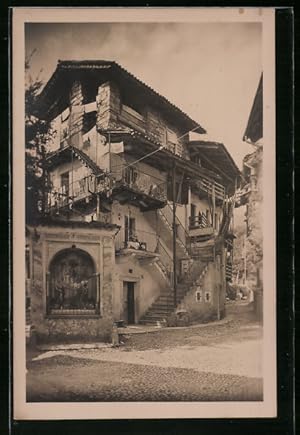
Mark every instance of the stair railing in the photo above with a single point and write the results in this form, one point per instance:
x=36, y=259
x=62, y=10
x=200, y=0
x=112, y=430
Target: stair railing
x=166, y=260
x=181, y=233
x=193, y=271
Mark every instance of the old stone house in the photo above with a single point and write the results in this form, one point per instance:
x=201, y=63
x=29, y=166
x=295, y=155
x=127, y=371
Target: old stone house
x=251, y=196
x=138, y=216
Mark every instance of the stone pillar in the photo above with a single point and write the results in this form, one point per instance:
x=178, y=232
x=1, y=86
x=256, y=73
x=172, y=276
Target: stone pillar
x=108, y=106
x=108, y=271
x=76, y=114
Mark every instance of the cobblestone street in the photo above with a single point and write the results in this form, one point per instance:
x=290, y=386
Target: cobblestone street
x=213, y=362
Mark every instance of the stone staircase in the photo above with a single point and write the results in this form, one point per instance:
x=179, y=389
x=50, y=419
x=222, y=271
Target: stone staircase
x=163, y=307
x=166, y=216
x=199, y=255
x=163, y=270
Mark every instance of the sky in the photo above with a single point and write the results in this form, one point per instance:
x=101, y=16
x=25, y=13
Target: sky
x=209, y=70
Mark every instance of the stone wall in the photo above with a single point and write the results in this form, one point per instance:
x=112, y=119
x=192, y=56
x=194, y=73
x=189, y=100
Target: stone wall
x=76, y=114
x=108, y=106
x=254, y=241
x=148, y=285
x=205, y=301
x=46, y=242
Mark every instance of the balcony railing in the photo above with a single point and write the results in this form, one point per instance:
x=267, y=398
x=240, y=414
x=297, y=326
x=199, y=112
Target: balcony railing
x=137, y=240
x=211, y=188
x=142, y=183
x=199, y=221
x=77, y=190
x=182, y=235
x=228, y=271
x=166, y=261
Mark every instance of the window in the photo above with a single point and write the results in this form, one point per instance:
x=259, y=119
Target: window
x=181, y=190
x=172, y=142
x=64, y=128
x=198, y=295
x=207, y=296
x=65, y=190
x=129, y=228
x=131, y=176
x=72, y=284
x=196, y=159
x=64, y=181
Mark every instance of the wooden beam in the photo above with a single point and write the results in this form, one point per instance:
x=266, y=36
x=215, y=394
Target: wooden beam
x=207, y=160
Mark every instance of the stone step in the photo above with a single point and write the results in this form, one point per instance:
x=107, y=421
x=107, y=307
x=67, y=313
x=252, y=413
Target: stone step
x=165, y=301
x=180, y=288
x=149, y=322
x=163, y=306
x=156, y=318
x=179, y=292
x=168, y=301
x=160, y=310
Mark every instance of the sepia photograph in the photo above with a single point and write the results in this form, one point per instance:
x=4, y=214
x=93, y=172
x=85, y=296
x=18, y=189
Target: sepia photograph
x=146, y=241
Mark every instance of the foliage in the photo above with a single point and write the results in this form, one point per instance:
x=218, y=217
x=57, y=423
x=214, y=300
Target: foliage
x=254, y=249
x=37, y=135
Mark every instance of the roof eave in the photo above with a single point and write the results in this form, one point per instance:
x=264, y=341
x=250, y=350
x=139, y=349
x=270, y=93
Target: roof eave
x=221, y=146
x=62, y=66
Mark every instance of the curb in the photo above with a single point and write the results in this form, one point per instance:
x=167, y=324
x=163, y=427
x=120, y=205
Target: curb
x=124, y=332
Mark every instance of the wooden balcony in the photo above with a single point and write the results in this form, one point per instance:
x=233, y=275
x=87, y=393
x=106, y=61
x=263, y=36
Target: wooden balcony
x=228, y=271
x=63, y=198
x=211, y=188
x=142, y=190
x=140, y=244
x=80, y=193
x=199, y=226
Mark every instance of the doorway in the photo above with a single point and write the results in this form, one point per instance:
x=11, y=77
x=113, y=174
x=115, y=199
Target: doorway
x=129, y=302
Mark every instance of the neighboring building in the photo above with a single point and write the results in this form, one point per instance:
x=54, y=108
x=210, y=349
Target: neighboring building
x=251, y=196
x=138, y=216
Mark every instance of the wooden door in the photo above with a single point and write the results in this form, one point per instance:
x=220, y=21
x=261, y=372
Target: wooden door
x=130, y=303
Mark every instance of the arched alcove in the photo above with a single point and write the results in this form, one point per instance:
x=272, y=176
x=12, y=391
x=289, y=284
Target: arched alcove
x=72, y=283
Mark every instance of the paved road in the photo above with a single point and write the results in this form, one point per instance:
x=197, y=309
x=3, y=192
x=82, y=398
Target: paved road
x=211, y=363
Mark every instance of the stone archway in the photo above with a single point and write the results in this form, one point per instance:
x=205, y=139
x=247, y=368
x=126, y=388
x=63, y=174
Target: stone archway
x=72, y=283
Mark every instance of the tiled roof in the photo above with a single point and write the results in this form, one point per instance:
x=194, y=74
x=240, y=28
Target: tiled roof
x=53, y=222
x=81, y=155
x=218, y=154
x=119, y=71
